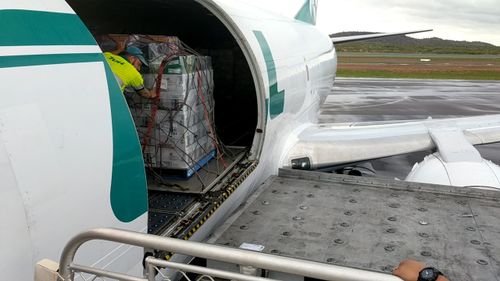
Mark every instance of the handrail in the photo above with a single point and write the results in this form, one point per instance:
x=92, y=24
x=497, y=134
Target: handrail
x=214, y=252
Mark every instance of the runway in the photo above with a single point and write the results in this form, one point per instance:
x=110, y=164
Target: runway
x=368, y=100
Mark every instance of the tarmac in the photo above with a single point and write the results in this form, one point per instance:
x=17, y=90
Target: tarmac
x=369, y=100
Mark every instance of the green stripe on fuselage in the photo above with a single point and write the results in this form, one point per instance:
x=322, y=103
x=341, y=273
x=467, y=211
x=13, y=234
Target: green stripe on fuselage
x=128, y=184
x=129, y=191
x=277, y=98
x=34, y=28
x=37, y=60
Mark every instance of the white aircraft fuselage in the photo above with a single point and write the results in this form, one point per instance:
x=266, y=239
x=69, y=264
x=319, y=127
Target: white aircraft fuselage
x=70, y=158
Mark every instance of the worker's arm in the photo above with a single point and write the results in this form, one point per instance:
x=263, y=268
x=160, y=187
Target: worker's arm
x=409, y=270
x=137, y=83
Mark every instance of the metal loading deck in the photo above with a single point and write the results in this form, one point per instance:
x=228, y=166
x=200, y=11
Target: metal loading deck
x=371, y=224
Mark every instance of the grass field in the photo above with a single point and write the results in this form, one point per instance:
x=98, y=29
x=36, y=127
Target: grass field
x=419, y=66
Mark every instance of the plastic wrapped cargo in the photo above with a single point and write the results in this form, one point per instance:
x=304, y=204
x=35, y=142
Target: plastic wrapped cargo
x=176, y=129
x=173, y=157
x=175, y=133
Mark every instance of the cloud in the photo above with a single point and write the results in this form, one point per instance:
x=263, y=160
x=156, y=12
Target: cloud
x=471, y=20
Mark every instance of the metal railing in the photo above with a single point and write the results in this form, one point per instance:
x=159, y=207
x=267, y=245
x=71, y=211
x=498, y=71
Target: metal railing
x=67, y=268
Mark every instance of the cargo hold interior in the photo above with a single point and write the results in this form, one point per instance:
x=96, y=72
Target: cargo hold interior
x=235, y=96
x=236, y=103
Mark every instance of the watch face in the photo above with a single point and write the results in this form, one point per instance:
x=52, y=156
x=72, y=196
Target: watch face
x=427, y=273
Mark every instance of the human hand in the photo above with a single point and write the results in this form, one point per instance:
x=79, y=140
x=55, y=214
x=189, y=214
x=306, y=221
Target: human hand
x=148, y=94
x=152, y=94
x=408, y=270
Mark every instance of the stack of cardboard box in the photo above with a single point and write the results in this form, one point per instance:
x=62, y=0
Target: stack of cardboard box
x=182, y=132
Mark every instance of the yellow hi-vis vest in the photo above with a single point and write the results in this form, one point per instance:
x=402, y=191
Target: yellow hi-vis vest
x=125, y=72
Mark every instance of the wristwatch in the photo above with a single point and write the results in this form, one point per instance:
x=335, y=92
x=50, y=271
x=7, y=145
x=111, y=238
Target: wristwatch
x=429, y=274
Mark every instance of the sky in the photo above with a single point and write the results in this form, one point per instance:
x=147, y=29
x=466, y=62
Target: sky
x=470, y=20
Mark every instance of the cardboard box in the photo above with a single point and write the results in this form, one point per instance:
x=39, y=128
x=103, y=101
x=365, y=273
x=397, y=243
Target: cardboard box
x=185, y=115
x=175, y=134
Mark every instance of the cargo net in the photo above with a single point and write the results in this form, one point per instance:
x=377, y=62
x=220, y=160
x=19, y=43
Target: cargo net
x=176, y=129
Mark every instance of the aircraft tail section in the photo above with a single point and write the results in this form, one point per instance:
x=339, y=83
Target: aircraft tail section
x=308, y=12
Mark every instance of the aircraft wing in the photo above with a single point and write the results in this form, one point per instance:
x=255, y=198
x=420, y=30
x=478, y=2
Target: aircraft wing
x=326, y=145
x=347, y=39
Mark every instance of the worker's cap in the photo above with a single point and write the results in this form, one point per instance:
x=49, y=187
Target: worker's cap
x=136, y=52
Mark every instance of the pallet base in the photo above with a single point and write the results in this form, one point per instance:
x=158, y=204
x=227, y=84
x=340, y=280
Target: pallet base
x=179, y=174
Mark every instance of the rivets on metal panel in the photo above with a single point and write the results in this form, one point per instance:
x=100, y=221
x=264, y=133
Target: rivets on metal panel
x=467, y=215
x=304, y=208
x=338, y=241
x=475, y=242
x=344, y=224
x=349, y=213
x=394, y=205
x=392, y=219
x=243, y=227
x=423, y=223
x=470, y=228
x=426, y=254
x=265, y=203
x=482, y=262
x=422, y=210
x=387, y=268
x=423, y=235
x=390, y=230
x=390, y=248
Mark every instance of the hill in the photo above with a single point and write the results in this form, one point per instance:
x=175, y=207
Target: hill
x=405, y=44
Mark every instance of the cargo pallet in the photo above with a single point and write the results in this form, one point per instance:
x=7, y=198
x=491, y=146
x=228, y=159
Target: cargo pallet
x=185, y=174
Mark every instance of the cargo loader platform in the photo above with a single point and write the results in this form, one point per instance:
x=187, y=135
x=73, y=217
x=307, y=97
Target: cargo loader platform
x=371, y=223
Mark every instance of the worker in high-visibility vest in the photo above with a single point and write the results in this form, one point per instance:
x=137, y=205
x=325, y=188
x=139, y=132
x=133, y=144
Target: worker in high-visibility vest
x=126, y=66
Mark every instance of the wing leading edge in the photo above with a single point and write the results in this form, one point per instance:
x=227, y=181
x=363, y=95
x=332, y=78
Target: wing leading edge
x=331, y=145
x=346, y=39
